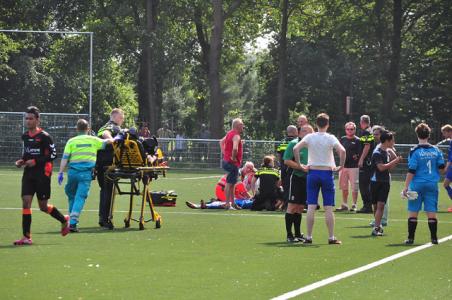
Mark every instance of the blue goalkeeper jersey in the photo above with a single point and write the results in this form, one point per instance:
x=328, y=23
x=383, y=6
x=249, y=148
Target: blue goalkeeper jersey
x=424, y=161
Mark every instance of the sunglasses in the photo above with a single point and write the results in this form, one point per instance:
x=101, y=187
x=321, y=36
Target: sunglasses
x=350, y=129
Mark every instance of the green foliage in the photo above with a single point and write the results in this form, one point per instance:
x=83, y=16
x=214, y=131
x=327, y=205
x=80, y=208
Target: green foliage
x=335, y=49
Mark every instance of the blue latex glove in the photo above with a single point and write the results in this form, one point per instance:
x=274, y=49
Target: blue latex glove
x=60, y=178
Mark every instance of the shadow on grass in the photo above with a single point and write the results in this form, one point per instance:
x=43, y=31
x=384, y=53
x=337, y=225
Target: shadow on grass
x=289, y=245
x=23, y=246
x=367, y=236
x=360, y=226
x=97, y=229
x=402, y=245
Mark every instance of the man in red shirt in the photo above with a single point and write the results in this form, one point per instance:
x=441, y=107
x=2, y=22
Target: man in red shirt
x=231, y=147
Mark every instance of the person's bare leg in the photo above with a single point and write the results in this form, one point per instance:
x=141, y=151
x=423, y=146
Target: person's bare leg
x=227, y=191
x=310, y=219
x=379, y=213
x=345, y=197
x=355, y=197
x=329, y=220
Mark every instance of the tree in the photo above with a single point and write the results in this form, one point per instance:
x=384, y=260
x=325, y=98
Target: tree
x=211, y=57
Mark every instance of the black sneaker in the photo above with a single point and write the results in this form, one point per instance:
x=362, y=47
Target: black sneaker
x=192, y=205
x=342, y=208
x=334, y=242
x=364, y=211
x=73, y=228
x=409, y=242
x=435, y=241
x=291, y=240
x=300, y=238
x=307, y=241
x=378, y=231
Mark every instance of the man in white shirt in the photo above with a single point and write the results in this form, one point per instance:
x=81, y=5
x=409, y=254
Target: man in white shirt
x=320, y=173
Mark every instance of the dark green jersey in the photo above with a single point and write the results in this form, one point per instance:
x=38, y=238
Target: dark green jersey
x=288, y=155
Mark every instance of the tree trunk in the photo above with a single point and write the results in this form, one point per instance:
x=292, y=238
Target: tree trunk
x=281, y=106
x=149, y=109
x=216, y=96
x=393, y=74
x=379, y=33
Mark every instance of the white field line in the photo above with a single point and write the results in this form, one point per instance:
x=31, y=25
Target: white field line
x=233, y=214
x=346, y=274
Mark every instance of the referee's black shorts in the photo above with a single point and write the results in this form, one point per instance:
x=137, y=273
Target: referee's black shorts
x=297, y=190
x=38, y=184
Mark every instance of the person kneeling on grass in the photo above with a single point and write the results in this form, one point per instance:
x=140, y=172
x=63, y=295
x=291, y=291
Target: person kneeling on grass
x=269, y=195
x=381, y=164
x=424, y=163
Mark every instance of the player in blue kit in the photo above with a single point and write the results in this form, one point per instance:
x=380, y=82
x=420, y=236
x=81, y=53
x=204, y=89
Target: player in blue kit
x=424, y=163
x=447, y=133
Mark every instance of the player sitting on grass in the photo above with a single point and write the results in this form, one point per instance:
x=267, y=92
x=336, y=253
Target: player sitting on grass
x=424, y=163
x=381, y=164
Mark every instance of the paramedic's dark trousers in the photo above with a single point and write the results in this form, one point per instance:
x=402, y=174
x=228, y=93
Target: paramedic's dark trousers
x=106, y=188
x=364, y=187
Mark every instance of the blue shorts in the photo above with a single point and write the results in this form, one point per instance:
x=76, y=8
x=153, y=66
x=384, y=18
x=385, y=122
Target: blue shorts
x=427, y=195
x=244, y=203
x=233, y=172
x=320, y=179
x=449, y=173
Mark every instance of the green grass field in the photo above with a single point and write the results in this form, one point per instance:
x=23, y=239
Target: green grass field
x=212, y=254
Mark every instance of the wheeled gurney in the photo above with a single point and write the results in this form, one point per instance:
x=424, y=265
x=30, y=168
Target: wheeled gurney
x=131, y=167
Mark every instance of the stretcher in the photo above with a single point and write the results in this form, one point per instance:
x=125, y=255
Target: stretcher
x=132, y=174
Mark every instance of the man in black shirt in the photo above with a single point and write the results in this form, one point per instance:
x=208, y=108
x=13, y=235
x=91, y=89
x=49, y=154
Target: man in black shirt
x=105, y=159
x=380, y=180
x=365, y=172
x=348, y=176
x=39, y=152
x=292, y=133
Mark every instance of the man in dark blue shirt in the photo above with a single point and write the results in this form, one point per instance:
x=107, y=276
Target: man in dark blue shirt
x=380, y=180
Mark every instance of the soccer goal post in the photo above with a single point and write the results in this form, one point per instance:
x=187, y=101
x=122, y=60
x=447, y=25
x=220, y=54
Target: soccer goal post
x=90, y=35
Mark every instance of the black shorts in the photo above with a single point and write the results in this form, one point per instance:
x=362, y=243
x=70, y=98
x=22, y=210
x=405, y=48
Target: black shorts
x=36, y=183
x=297, y=190
x=379, y=191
